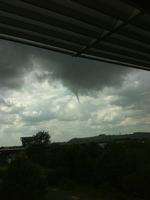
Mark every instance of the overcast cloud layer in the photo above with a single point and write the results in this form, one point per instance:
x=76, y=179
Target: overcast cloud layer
x=38, y=90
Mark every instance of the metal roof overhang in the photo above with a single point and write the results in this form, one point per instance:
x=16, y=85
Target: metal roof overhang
x=114, y=31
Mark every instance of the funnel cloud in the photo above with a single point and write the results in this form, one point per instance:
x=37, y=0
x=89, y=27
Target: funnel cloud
x=68, y=96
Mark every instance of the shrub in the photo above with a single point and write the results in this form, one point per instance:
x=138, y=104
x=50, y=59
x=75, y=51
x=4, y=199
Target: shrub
x=23, y=180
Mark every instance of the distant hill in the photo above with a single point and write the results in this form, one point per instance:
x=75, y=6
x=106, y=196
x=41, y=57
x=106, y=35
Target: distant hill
x=109, y=138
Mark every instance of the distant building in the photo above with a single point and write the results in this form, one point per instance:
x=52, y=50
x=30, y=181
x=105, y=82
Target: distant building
x=8, y=154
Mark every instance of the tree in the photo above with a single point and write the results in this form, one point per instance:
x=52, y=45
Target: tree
x=42, y=138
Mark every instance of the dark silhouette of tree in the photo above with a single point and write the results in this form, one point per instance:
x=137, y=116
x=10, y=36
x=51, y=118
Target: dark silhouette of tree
x=42, y=138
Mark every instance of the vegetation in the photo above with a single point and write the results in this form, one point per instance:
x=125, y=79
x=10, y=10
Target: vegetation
x=42, y=138
x=23, y=180
x=118, y=171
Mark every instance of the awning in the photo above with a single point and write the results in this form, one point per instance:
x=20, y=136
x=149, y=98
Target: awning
x=114, y=31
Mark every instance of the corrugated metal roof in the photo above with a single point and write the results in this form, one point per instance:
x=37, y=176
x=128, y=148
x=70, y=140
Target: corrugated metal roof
x=116, y=31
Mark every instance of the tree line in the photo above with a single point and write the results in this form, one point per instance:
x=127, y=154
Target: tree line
x=124, y=166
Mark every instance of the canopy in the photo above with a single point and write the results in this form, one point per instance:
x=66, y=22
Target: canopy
x=114, y=31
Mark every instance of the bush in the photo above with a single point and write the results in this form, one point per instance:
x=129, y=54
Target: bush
x=24, y=180
x=137, y=184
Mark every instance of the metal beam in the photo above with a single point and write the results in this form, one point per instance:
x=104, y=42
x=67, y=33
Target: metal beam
x=103, y=37
x=120, y=58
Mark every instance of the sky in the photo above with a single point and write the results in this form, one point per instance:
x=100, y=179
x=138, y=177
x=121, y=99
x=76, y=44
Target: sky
x=68, y=96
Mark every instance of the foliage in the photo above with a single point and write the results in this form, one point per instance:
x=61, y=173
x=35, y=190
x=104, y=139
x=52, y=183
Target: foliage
x=125, y=167
x=23, y=180
x=42, y=138
x=118, y=164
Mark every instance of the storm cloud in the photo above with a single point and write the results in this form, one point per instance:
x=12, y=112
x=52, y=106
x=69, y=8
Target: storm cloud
x=79, y=75
x=14, y=63
x=38, y=90
x=82, y=76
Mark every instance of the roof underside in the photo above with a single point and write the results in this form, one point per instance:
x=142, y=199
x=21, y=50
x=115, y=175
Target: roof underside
x=114, y=31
